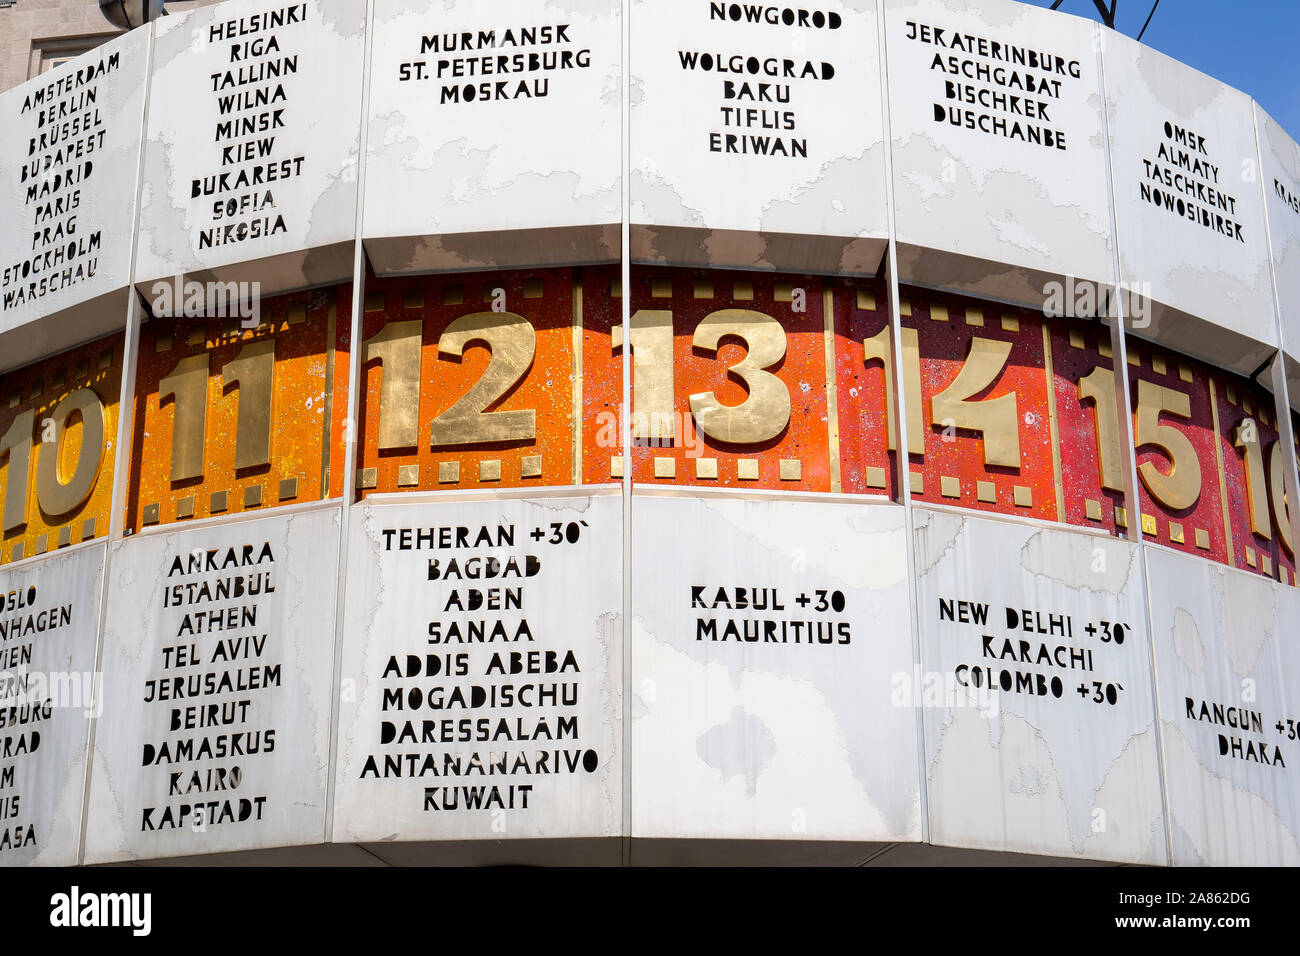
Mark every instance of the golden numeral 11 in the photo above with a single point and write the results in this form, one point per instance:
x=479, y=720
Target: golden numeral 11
x=252, y=370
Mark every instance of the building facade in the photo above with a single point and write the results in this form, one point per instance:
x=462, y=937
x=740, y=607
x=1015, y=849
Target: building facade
x=446, y=432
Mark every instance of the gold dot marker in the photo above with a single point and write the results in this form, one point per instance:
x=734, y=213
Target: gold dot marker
x=448, y=472
x=876, y=477
x=791, y=469
x=665, y=468
x=950, y=486
x=489, y=470
x=531, y=466
x=219, y=502
x=1022, y=496
x=706, y=469
x=747, y=469
x=408, y=476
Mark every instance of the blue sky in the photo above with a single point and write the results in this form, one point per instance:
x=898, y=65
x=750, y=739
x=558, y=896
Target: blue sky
x=1253, y=45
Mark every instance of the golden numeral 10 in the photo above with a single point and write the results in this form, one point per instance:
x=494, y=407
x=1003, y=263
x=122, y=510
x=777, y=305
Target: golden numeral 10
x=252, y=370
x=56, y=494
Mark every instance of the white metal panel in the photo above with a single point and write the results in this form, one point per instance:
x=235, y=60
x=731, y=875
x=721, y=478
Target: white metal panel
x=217, y=661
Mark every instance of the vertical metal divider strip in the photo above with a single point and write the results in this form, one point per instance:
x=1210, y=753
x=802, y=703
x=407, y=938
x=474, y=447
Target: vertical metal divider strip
x=575, y=427
x=350, y=427
x=832, y=390
x=1281, y=388
x=1053, y=424
x=121, y=455
x=902, y=454
x=625, y=238
x=1132, y=502
x=1225, y=515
